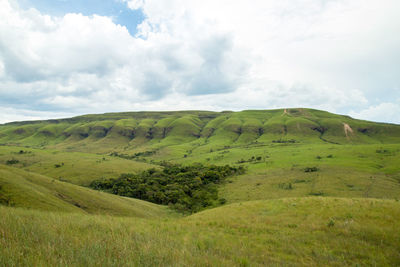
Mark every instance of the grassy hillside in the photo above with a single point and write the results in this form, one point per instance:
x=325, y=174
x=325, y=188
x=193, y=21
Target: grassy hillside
x=19, y=188
x=352, y=158
x=279, y=170
x=305, y=232
x=319, y=189
x=74, y=167
x=154, y=130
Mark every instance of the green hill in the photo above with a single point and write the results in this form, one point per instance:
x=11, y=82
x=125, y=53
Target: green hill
x=352, y=158
x=19, y=188
x=135, y=130
x=315, y=189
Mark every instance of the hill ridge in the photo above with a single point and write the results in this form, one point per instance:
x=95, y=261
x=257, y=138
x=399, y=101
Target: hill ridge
x=115, y=131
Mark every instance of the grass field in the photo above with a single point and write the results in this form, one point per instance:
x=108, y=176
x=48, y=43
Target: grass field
x=293, y=231
x=19, y=188
x=320, y=189
x=74, y=167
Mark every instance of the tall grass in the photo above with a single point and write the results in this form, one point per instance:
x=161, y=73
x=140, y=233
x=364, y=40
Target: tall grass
x=298, y=231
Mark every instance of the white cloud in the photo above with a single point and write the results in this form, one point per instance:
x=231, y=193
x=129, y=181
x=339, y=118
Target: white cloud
x=37, y=47
x=12, y=114
x=134, y=4
x=336, y=55
x=384, y=112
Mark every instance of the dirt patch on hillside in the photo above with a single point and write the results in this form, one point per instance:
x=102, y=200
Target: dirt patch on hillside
x=347, y=130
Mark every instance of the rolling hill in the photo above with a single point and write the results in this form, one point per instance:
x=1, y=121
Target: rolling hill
x=354, y=158
x=318, y=189
x=19, y=188
x=143, y=130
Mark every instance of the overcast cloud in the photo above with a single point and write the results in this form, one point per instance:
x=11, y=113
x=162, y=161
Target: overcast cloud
x=338, y=55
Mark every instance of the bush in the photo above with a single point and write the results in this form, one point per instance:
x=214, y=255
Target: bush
x=185, y=188
x=286, y=186
x=222, y=201
x=12, y=161
x=280, y=141
x=311, y=169
x=319, y=193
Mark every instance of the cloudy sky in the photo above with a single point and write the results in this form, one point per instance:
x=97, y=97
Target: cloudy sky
x=60, y=58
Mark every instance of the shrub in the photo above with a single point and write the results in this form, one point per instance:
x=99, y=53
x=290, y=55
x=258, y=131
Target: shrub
x=319, y=193
x=280, y=141
x=286, y=186
x=311, y=169
x=222, y=201
x=12, y=161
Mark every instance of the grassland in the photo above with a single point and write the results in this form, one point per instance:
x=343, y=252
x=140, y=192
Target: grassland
x=320, y=189
x=293, y=231
x=19, y=188
x=206, y=130
x=342, y=170
x=74, y=167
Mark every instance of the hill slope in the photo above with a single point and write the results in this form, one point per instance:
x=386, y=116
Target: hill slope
x=19, y=188
x=130, y=131
x=74, y=167
x=296, y=232
x=316, y=178
x=352, y=158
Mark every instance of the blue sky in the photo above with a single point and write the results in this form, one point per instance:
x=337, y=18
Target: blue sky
x=72, y=57
x=118, y=10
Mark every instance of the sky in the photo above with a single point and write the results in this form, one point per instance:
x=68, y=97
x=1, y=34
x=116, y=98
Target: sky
x=61, y=58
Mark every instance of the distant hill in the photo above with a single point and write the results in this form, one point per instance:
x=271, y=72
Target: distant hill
x=130, y=130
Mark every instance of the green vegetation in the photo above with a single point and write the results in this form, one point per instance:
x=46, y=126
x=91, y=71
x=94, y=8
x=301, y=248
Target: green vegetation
x=319, y=189
x=186, y=188
x=137, y=131
x=19, y=188
x=74, y=167
x=311, y=231
x=12, y=161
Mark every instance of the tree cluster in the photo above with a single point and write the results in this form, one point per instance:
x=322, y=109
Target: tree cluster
x=186, y=188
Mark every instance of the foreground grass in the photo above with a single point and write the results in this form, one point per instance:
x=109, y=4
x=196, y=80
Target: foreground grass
x=293, y=231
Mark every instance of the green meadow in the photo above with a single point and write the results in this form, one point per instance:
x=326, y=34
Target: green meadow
x=318, y=189
x=290, y=231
